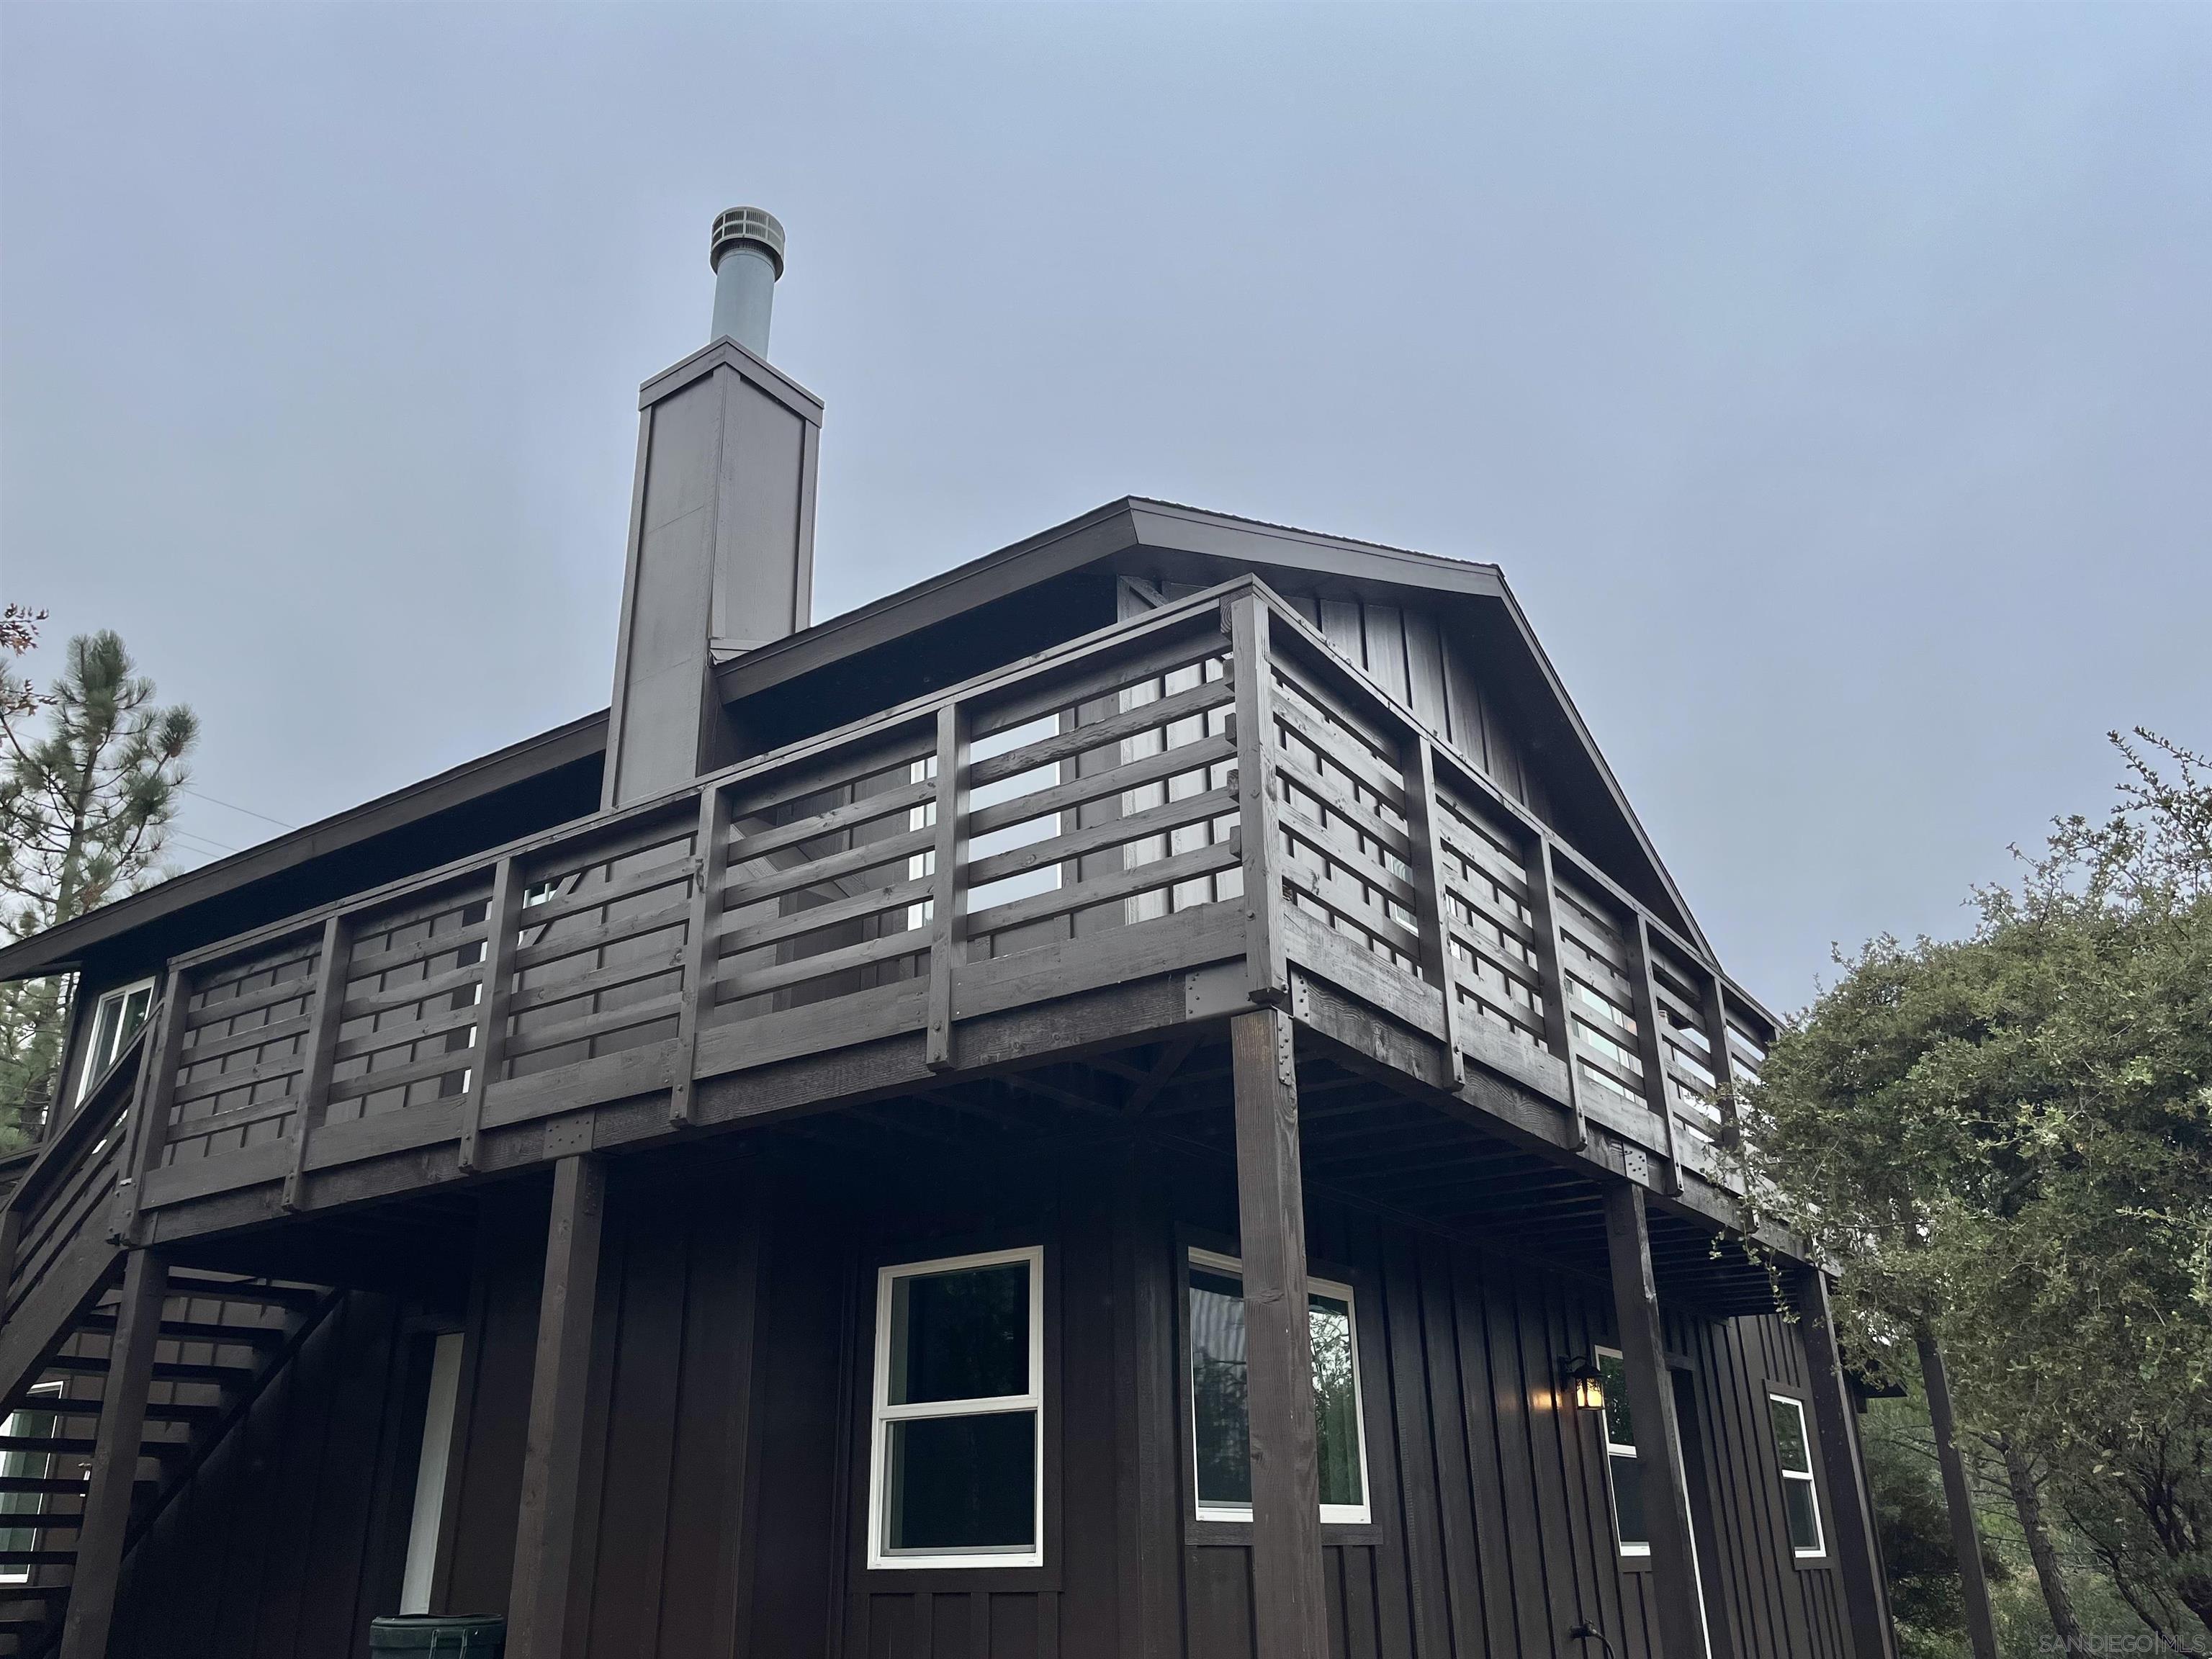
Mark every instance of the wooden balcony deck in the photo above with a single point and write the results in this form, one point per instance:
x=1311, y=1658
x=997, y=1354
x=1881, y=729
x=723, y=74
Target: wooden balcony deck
x=1148, y=827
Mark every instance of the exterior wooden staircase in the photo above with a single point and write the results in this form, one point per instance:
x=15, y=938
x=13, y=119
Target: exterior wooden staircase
x=222, y=1337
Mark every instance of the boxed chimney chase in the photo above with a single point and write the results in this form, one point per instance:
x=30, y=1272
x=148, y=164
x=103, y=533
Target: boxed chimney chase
x=721, y=530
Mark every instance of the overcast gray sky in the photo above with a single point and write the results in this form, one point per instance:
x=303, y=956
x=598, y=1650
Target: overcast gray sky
x=1834, y=385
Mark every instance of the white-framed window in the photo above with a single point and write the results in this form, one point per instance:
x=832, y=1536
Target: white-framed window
x=1220, y=1417
x=31, y=1422
x=1793, y=1449
x=114, y=1017
x=956, y=1461
x=1623, y=1474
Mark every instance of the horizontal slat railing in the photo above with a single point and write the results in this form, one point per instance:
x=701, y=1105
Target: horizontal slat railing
x=1529, y=958
x=1068, y=824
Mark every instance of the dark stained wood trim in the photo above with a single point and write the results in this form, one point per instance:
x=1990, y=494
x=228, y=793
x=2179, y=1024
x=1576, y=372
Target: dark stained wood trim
x=106, y=1516
x=1850, y=1507
x=1289, y=1598
x=549, y=1522
x=710, y=858
x=549, y=751
x=1681, y=1618
x=1423, y=814
x=948, y=929
x=1651, y=1040
x=502, y=912
x=317, y=1052
x=1558, y=1035
x=1267, y=977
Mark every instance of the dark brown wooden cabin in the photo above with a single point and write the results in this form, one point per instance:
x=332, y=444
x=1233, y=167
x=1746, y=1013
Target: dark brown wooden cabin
x=1118, y=1101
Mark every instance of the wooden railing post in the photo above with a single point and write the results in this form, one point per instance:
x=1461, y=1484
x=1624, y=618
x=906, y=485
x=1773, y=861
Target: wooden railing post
x=550, y=1517
x=1290, y=1605
x=710, y=854
x=1268, y=978
x=106, y=1519
x=948, y=904
x=1679, y=1605
x=320, y=1048
x=1552, y=974
x=1423, y=813
x=502, y=914
x=149, y=1111
x=1722, y=1062
x=1651, y=1040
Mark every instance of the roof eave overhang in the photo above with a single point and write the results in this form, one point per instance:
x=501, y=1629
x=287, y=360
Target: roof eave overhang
x=65, y=949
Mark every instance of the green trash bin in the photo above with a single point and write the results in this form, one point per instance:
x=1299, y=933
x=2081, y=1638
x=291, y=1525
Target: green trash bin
x=476, y=1635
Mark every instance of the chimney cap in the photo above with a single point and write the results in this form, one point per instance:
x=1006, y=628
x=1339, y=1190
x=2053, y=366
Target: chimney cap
x=735, y=227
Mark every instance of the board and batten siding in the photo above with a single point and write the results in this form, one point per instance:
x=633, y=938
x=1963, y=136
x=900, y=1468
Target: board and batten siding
x=1406, y=652
x=726, y=1441
x=725, y=1495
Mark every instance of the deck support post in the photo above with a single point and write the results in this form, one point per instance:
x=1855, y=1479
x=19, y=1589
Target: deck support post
x=1681, y=1616
x=1866, y=1597
x=546, y=1525
x=106, y=1516
x=1289, y=1609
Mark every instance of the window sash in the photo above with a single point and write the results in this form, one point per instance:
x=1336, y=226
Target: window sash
x=1622, y=1450
x=1360, y=1514
x=883, y=1414
x=1803, y=1477
x=105, y=1038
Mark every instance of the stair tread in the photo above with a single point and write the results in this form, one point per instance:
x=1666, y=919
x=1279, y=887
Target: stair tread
x=167, y=1370
x=195, y=1330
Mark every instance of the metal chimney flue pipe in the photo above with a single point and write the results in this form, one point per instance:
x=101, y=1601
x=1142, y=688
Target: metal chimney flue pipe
x=746, y=254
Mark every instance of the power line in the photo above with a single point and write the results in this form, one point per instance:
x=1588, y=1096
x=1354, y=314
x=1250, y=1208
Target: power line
x=235, y=807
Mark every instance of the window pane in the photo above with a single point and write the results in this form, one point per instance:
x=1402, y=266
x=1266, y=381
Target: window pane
x=134, y=1012
x=1804, y=1517
x=1628, y=1500
x=1336, y=1407
x=1790, y=1435
x=1220, y=1415
x=961, y=1335
x=23, y=1465
x=106, y=1027
x=1619, y=1427
x=962, y=1483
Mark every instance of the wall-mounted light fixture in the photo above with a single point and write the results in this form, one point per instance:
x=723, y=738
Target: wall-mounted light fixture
x=1585, y=1383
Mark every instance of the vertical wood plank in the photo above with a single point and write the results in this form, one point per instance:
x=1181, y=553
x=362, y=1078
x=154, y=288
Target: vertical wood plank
x=547, y=1521
x=1559, y=1029
x=948, y=918
x=1650, y=1041
x=710, y=861
x=502, y=916
x=1679, y=1614
x=1425, y=813
x=1269, y=974
x=107, y=1514
x=320, y=1047
x=1866, y=1597
x=1289, y=1609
